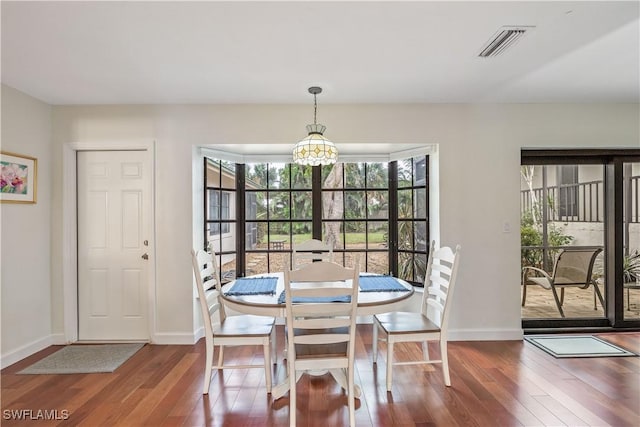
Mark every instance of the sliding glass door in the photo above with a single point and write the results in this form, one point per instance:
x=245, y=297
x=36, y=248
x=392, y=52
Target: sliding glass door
x=580, y=226
x=562, y=212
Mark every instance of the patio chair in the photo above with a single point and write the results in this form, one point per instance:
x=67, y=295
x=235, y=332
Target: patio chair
x=321, y=301
x=311, y=251
x=431, y=323
x=230, y=330
x=573, y=268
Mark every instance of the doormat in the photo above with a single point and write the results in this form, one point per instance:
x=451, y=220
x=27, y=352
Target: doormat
x=84, y=359
x=560, y=346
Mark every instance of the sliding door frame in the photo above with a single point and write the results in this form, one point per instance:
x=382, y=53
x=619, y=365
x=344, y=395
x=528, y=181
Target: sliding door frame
x=613, y=161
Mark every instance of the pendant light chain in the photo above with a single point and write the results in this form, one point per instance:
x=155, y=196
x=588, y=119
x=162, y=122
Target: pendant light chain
x=315, y=108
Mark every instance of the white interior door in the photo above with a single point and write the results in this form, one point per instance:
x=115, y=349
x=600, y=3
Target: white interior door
x=114, y=205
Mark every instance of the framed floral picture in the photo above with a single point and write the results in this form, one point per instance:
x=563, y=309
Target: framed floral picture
x=18, y=178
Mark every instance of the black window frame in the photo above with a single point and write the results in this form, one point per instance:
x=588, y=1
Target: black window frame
x=212, y=225
x=221, y=205
x=245, y=240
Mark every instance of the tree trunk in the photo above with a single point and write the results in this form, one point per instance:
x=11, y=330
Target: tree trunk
x=333, y=205
x=527, y=173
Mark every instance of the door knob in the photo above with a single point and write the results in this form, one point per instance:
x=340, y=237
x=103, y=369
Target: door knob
x=145, y=256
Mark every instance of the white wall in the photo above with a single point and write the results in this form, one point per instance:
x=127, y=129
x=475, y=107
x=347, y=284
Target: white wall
x=479, y=153
x=26, y=233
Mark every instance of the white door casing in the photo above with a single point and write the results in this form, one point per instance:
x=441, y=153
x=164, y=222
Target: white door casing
x=114, y=206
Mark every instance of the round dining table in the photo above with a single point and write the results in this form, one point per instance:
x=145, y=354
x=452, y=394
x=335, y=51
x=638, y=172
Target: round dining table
x=369, y=303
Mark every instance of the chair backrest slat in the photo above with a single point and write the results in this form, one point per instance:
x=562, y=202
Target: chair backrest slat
x=442, y=269
x=322, y=323
x=436, y=305
x=329, y=289
x=320, y=272
x=322, y=309
x=310, y=251
x=206, y=274
x=321, y=339
x=439, y=281
x=213, y=308
x=438, y=293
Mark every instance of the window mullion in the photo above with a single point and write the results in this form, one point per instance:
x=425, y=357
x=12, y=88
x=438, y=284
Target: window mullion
x=205, y=201
x=240, y=220
x=393, y=218
x=316, y=202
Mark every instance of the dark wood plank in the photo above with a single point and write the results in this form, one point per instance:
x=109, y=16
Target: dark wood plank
x=502, y=383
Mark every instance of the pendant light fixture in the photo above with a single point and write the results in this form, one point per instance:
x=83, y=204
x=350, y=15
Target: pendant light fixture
x=315, y=149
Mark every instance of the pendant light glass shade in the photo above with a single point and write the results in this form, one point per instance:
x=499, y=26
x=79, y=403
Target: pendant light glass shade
x=315, y=149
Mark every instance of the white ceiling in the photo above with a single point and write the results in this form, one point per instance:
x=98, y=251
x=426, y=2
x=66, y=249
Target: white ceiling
x=84, y=52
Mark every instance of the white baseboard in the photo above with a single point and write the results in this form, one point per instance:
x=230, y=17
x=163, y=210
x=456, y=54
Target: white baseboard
x=199, y=333
x=175, y=339
x=486, y=334
x=26, y=350
x=59, y=339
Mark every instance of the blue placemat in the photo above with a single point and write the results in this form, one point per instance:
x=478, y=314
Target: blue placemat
x=302, y=300
x=380, y=284
x=253, y=286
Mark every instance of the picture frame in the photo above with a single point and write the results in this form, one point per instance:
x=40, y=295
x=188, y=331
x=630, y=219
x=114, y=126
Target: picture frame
x=18, y=178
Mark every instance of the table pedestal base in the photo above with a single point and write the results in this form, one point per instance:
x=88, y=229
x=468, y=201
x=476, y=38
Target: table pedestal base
x=339, y=375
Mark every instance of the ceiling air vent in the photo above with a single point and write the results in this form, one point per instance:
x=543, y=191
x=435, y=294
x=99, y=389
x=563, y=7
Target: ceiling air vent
x=505, y=37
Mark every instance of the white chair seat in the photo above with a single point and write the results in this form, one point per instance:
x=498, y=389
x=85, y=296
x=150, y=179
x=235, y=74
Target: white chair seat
x=404, y=322
x=244, y=325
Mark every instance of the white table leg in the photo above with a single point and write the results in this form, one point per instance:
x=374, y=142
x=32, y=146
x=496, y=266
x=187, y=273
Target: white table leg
x=281, y=389
x=341, y=378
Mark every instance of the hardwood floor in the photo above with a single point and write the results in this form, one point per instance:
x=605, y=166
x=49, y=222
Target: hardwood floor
x=505, y=383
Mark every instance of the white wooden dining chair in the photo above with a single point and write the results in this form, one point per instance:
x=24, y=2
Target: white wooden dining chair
x=431, y=323
x=222, y=330
x=321, y=300
x=310, y=251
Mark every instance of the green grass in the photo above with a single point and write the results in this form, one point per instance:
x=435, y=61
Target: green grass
x=352, y=238
x=360, y=237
